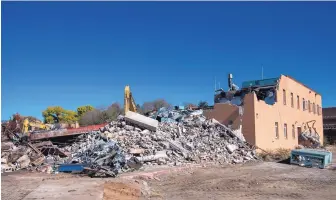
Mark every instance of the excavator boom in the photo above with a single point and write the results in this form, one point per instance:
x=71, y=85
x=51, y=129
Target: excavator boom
x=129, y=101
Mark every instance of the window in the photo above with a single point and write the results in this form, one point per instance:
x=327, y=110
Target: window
x=314, y=109
x=293, y=131
x=276, y=130
x=292, y=100
x=298, y=102
x=309, y=106
x=285, y=130
x=284, y=97
x=318, y=109
x=303, y=104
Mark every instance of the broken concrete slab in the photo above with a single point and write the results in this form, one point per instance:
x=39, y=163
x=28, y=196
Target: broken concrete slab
x=141, y=121
x=23, y=161
x=136, y=151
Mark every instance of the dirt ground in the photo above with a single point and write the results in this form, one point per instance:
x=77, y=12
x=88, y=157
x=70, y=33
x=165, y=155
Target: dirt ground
x=264, y=180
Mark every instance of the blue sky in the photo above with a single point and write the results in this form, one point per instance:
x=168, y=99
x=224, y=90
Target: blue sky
x=77, y=53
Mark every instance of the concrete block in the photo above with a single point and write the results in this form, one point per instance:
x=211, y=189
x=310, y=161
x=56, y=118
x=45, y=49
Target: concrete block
x=141, y=121
x=136, y=151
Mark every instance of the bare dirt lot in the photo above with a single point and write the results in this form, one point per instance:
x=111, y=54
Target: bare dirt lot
x=265, y=180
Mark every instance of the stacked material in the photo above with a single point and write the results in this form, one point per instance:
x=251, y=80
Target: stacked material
x=97, y=153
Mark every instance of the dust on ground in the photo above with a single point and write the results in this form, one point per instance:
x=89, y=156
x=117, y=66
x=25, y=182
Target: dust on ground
x=261, y=181
x=121, y=191
x=264, y=180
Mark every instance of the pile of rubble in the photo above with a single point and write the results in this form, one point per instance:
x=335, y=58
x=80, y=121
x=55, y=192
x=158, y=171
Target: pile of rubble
x=193, y=140
x=125, y=145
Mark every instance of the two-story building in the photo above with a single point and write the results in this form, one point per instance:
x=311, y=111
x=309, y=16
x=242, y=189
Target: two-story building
x=329, y=124
x=272, y=113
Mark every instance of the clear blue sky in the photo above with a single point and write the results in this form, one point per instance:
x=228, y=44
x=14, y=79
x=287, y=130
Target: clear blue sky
x=77, y=53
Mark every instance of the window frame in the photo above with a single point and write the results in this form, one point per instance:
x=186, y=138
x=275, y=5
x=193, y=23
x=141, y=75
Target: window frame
x=285, y=131
x=309, y=107
x=314, y=109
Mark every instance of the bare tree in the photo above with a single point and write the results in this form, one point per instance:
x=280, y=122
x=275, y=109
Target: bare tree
x=203, y=104
x=113, y=111
x=92, y=118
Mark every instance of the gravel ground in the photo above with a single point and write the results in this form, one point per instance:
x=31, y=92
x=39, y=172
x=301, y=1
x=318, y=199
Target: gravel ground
x=265, y=180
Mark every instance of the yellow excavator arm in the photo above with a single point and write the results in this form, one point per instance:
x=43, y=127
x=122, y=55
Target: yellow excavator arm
x=129, y=101
x=27, y=124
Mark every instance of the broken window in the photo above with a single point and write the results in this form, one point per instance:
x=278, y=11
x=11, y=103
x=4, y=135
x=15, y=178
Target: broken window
x=285, y=130
x=309, y=106
x=292, y=100
x=298, y=102
x=293, y=131
x=276, y=130
x=303, y=104
x=284, y=97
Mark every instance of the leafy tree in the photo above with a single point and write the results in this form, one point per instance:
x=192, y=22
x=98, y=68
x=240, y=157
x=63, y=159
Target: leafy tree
x=203, y=104
x=57, y=114
x=83, y=109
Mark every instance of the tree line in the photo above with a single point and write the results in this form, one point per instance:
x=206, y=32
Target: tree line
x=88, y=115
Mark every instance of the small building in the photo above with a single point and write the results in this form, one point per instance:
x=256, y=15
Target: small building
x=329, y=124
x=272, y=113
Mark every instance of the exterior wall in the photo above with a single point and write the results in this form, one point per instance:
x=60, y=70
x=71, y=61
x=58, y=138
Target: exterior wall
x=224, y=113
x=249, y=128
x=266, y=115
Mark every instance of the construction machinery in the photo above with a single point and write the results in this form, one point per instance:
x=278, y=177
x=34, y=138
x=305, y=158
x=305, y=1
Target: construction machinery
x=36, y=124
x=129, y=100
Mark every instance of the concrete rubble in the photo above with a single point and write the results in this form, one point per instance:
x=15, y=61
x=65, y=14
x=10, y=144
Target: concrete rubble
x=124, y=144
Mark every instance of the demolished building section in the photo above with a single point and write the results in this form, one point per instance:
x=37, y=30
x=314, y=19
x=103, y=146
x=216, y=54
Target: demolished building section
x=272, y=113
x=127, y=144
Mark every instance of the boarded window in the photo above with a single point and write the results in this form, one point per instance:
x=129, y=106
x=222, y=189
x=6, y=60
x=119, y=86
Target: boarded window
x=276, y=130
x=293, y=131
x=309, y=110
x=285, y=130
x=298, y=102
x=284, y=96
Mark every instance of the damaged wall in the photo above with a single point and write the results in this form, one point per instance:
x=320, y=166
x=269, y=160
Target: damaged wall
x=259, y=118
x=225, y=114
x=267, y=115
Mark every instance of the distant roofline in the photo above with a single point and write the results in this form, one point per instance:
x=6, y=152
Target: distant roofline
x=301, y=83
x=329, y=107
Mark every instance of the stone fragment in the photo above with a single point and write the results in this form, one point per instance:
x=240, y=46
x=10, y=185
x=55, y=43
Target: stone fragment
x=145, y=132
x=136, y=151
x=231, y=148
x=129, y=128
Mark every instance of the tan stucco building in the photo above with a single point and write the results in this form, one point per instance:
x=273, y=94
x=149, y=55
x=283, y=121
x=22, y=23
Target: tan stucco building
x=272, y=113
